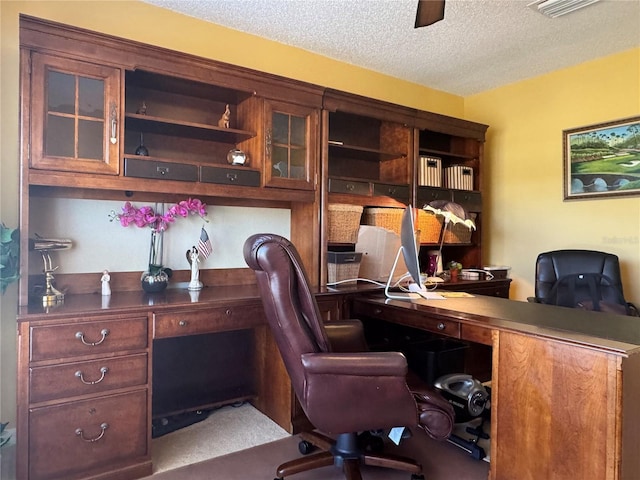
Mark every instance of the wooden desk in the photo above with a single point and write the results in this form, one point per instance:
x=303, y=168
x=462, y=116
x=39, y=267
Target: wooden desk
x=565, y=386
x=87, y=364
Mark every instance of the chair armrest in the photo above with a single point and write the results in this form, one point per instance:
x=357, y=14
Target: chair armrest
x=346, y=336
x=363, y=363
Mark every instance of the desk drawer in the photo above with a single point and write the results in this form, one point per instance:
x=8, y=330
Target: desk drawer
x=477, y=334
x=176, y=324
x=113, y=431
x=98, y=336
x=86, y=378
x=409, y=318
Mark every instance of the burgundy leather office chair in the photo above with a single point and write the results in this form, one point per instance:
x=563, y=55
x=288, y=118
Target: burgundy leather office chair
x=341, y=393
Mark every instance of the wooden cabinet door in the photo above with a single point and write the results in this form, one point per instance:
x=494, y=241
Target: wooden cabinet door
x=555, y=410
x=75, y=115
x=291, y=146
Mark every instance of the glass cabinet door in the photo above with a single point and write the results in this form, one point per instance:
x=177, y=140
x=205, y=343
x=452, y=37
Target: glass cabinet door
x=75, y=122
x=291, y=146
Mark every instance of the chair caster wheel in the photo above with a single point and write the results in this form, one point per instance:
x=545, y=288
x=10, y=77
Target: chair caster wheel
x=305, y=448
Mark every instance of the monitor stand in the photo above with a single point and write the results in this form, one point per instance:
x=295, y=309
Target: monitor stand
x=416, y=291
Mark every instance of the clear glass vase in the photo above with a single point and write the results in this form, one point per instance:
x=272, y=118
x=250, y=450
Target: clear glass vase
x=156, y=278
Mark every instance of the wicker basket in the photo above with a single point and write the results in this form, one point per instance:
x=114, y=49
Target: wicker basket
x=389, y=218
x=343, y=267
x=344, y=223
x=458, y=232
x=430, y=226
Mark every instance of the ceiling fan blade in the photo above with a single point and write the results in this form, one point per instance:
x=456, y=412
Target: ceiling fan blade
x=429, y=12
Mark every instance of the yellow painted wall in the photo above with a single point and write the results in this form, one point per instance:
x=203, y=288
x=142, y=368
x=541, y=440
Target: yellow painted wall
x=524, y=168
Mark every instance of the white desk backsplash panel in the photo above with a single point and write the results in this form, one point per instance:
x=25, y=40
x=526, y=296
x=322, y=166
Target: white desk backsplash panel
x=100, y=244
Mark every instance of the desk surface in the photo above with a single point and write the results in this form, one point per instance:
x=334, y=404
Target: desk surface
x=171, y=298
x=600, y=330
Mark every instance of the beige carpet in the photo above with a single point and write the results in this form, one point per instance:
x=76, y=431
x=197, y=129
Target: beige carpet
x=226, y=430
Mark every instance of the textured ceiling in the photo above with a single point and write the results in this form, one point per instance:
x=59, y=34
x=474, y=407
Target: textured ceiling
x=480, y=45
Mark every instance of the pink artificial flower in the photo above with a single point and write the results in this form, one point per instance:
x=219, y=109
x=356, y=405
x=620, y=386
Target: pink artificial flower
x=145, y=216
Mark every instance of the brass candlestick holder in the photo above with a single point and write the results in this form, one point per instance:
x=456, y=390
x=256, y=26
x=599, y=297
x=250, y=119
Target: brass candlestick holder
x=51, y=295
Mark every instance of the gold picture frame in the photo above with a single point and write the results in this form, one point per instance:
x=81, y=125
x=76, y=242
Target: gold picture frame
x=602, y=160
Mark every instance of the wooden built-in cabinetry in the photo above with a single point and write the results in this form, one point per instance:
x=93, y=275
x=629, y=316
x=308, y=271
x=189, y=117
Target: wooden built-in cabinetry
x=456, y=143
x=371, y=155
x=75, y=116
x=84, y=389
x=86, y=114
x=110, y=119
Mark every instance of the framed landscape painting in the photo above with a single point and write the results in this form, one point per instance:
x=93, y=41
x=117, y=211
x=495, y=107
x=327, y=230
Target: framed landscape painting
x=602, y=160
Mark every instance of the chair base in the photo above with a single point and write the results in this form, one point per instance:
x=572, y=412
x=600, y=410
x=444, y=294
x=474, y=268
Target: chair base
x=345, y=453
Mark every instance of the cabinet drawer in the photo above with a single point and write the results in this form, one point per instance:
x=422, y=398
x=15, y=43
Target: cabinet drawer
x=90, y=435
x=397, y=192
x=418, y=320
x=472, y=201
x=134, y=167
x=349, y=186
x=429, y=194
x=230, y=176
x=477, y=334
x=85, y=378
x=206, y=321
x=87, y=338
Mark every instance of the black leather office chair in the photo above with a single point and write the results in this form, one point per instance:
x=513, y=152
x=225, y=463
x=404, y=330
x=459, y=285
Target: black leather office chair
x=580, y=278
x=342, y=388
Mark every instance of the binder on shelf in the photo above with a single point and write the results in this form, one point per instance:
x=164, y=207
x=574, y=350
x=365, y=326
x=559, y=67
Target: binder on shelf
x=458, y=177
x=430, y=171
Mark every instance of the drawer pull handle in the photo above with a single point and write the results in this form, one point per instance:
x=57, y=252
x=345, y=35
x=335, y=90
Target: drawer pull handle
x=440, y=326
x=232, y=177
x=80, y=375
x=104, y=332
x=103, y=428
x=377, y=311
x=182, y=323
x=228, y=312
x=350, y=187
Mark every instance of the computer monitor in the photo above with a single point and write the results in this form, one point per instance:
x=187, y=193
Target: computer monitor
x=409, y=249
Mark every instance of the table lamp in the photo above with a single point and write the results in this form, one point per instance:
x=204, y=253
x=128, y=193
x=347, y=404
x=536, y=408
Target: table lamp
x=51, y=295
x=452, y=213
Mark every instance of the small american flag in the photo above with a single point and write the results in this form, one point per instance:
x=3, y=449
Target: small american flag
x=204, y=244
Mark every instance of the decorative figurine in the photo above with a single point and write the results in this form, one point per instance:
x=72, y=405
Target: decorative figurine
x=237, y=157
x=224, y=119
x=193, y=256
x=143, y=109
x=106, y=287
x=142, y=150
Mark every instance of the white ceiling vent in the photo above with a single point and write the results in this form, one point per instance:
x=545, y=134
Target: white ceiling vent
x=557, y=8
